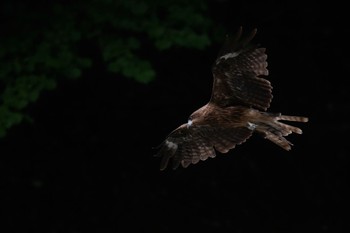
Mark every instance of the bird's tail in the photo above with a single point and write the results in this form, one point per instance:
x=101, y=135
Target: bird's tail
x=274, y=130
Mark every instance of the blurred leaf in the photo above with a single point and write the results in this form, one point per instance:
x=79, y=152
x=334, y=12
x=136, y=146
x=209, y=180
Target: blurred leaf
x=8, y=119
x=144, y=73
x=84, y=62
x=50, y=84
x=113, y=66
x=163, y=43
x=73, y=73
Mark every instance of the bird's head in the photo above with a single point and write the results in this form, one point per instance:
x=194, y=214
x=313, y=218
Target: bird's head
x=195, y=116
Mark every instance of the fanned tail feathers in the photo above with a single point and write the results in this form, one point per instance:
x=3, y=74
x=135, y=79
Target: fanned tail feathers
x=276, y=131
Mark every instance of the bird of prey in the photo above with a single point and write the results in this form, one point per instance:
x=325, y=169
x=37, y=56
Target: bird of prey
x=237, y=108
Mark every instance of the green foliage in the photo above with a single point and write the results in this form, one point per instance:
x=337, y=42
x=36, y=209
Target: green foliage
x=43, y=43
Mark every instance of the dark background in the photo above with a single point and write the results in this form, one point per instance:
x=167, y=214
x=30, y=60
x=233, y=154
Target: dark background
x=86, y=163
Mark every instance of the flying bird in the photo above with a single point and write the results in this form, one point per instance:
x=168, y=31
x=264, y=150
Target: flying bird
x=237, y=108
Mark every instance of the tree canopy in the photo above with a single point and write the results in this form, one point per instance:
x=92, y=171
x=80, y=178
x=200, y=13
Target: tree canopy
x=45, y=42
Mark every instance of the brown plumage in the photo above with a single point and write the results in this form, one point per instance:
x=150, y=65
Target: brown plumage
x=237, y=108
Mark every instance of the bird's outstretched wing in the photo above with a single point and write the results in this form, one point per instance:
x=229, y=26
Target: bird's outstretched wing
x=188, y=145
x=237, y=74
